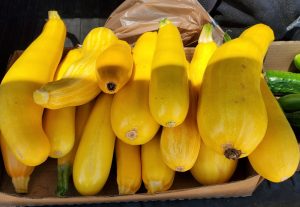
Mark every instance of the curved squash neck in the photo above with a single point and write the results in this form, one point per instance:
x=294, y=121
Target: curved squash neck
x=237, y=48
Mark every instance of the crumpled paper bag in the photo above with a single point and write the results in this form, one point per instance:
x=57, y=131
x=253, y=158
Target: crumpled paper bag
x=134, y=17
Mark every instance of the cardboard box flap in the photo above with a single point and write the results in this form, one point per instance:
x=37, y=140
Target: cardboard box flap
x=43, y=184
x=232, y=189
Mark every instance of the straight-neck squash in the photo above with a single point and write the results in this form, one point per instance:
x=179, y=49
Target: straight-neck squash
x=20, y=117
x=169, y=88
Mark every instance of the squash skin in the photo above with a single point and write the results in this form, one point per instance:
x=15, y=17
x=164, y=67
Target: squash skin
x=20, y=117
x=231, y=114
x=59, y=124
x=156, y=175
x=180, y=145
x=19, y=173
x=276, y=158
x=114, y=67
x=131, y=118
x=78, y=84
x=129, y=167
x=94, y=155
x=72, y=56
x=202, y=53
x=201, y=56
x=212, y=168
x=261, y=40
x=65, y=163
x=169, y=89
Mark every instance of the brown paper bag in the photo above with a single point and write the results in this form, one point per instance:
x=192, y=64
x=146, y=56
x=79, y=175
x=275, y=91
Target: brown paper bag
x=134, y=17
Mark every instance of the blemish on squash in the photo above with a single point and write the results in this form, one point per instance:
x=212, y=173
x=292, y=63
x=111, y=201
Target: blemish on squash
x=283, y=179
x=179, y=168
x=242, y=85
x=171, y=124
x=155, y=186
x=239, y=100
x=20, y=154
x=132, y=134
x=57, y=153
x=41, y=96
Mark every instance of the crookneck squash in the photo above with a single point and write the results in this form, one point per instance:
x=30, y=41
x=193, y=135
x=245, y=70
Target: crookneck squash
x=277, y=156
x=231, y=114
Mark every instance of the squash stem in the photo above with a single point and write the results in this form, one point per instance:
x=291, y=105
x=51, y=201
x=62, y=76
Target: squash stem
x=206, y=34
x=63, y=175
x=53, y=15
x=21, y=184
x=155, y=186
x=164, y=22
x=111, y=87
x=232, y=154
x=125, y=190
x=132, y=134
x=180, y=169
x=41, y=96
x=261, y=35
x=226, y=37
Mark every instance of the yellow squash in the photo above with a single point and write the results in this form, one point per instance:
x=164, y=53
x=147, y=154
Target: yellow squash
x=156, y=175
x=202, y=53
x=212, y=168
x=93, y=158
x=20, y=117
x=276, y=158
x=65, y=163
x=19, y=173
x=180, y=145
x=262, y=41
x=129, y=167
x=78, y=84
x=131, y=119
x=169, y=89
x=59, y=124
x=114, y=67
x=231, y=115
x=72, y=56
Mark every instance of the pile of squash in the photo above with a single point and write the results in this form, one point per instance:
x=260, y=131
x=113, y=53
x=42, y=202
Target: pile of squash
x=158, y=112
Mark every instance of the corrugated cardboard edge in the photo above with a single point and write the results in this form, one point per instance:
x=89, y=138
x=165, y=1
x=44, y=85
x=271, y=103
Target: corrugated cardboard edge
x=244, y=188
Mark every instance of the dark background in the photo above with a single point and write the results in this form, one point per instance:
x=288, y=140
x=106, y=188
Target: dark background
x=21, y=21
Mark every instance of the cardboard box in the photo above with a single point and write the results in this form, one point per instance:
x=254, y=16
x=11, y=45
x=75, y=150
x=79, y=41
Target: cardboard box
x=243, y=183
x=281, y=54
